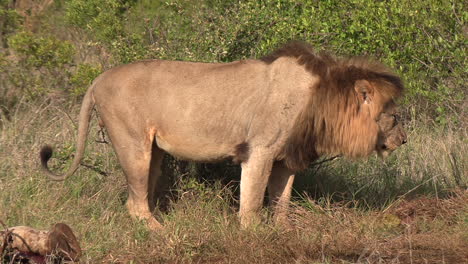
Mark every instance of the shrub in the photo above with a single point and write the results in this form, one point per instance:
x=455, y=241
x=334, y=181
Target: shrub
x=82, y=78
x=10, y=20
x=39, y=65
x=38, y=51
x=423, y=41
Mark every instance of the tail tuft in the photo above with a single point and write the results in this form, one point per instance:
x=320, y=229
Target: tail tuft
x=45, y=154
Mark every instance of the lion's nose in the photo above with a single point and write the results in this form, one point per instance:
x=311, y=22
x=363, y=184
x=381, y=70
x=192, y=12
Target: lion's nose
x=403, y=137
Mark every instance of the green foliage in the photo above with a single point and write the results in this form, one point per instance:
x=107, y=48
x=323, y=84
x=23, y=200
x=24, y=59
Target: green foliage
x=101, y=18
x=10, y=20
x=423, y=41
x=82, y=78
x=36, y=51
x=40, y=65
x=105, y=21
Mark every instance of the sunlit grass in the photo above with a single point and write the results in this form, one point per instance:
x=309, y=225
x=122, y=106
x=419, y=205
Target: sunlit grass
x=351, y=212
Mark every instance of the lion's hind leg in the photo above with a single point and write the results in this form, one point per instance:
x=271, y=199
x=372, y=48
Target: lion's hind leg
x=157, y=183
x=134, y=153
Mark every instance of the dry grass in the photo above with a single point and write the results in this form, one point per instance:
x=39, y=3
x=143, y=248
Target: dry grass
x=434, y=162
x=422, y=226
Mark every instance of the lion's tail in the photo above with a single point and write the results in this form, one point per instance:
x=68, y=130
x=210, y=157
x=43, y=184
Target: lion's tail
x=83, y=126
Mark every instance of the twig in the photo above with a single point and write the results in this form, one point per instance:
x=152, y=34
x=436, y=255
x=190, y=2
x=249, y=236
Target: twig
x=7, y=234
x=325, y=160
x=422, y=62
x=69, y=117
x=318, y=166
x=103, y=173
x=102, y=134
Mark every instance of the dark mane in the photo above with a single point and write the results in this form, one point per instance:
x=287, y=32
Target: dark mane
x=326, y=125
x=347, y=69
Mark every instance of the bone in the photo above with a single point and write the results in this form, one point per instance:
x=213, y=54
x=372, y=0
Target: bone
x=58, y=242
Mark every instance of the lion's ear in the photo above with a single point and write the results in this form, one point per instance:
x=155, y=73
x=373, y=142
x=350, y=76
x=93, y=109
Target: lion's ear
x=364, y=90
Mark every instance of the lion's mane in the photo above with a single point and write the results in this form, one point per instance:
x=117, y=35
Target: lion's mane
x=331, y=123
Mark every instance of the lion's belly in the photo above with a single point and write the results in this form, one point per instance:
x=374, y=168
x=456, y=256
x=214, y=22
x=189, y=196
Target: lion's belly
x=188, y=149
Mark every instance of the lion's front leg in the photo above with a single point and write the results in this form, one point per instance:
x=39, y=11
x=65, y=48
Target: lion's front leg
x=279, y=191
x=255, y=173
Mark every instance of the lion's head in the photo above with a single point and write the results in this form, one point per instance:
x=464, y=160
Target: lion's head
x=351, y=110
x=391, y=135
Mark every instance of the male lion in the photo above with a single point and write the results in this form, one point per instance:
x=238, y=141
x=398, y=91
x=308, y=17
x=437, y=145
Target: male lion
x=274, y=116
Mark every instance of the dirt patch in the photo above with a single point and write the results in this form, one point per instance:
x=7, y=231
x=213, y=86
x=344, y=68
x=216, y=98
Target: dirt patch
x=425, y=248
x=431, y=230
x=421, y=230
x=429, y=208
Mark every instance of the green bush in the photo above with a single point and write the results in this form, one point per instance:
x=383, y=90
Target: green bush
x=101, y=18
x=37, y=51
x=423, y=40
x=40, y=65
x=10, y=20
x=82, y=78
x=104, y=20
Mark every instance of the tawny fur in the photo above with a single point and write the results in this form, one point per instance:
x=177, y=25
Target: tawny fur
x=331, y=122
x=274, y=116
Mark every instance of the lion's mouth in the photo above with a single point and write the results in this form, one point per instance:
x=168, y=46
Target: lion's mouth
x=383, y=151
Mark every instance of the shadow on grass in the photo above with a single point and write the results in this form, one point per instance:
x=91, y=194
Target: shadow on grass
x=373, y=183
x=369, y=184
